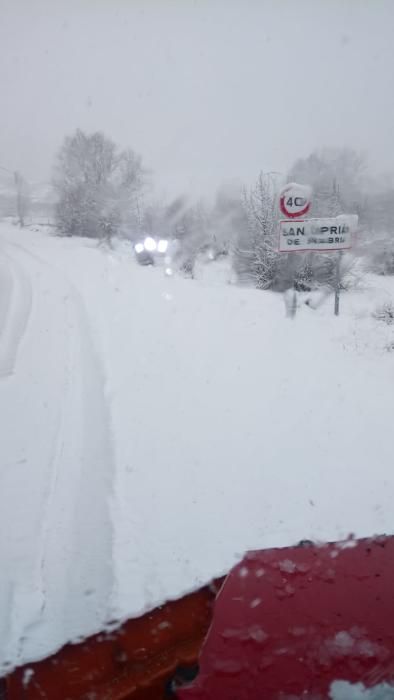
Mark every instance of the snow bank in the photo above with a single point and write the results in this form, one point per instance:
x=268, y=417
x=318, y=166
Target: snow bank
x=156, y=428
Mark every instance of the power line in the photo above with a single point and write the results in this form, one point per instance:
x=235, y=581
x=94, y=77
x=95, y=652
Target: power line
x=6, y=170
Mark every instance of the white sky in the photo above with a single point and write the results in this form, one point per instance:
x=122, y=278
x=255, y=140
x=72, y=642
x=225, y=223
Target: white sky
x=206, y=90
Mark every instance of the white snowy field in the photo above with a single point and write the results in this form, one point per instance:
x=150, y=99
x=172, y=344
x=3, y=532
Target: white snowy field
x=154, y=428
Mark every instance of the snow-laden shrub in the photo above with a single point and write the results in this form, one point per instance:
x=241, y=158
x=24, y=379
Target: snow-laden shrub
x=385, y=312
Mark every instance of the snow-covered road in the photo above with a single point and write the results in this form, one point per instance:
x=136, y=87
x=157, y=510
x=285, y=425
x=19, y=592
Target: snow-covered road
x=155, y=428
x=15, y=307
x=56, y=462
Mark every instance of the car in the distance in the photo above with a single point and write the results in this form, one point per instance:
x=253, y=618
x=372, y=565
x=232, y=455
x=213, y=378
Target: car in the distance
x=150, y=250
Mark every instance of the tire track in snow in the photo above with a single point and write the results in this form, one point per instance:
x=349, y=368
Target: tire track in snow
x=73, y=567
x=15, y=308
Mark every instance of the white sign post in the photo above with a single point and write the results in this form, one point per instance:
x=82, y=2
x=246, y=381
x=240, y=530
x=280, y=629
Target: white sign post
x=324, y=235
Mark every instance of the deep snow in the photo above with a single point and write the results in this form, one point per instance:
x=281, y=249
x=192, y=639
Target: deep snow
x=155, y=428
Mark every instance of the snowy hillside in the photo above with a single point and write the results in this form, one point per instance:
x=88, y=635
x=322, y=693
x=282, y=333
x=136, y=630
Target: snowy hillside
x=154, y=428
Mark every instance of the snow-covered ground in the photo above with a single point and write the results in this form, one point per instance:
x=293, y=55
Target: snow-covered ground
x=154, y=428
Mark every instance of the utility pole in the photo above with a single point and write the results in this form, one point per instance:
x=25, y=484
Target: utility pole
x=19, y=197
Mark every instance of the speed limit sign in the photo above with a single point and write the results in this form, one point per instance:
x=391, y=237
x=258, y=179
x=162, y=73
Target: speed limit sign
x=295, y=200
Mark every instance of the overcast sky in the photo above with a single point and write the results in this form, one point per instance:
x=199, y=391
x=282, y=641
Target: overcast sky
x=206, y=90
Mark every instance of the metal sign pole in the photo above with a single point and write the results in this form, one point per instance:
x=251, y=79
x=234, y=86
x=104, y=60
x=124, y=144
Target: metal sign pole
x=337, y=282
x=328, y=234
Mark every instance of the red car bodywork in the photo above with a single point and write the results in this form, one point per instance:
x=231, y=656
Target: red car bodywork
x=289, y=622
x=285, y=624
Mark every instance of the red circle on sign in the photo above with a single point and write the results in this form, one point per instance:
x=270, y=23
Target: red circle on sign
x=292, y=214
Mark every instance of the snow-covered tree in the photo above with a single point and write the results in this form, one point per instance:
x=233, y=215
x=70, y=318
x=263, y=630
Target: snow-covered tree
x=22, y=198
x=337, y=178
x=98, y=186
x=342, y=166
x=226, y=219
x=191, y=231
x=256, y=257
x=322, y=267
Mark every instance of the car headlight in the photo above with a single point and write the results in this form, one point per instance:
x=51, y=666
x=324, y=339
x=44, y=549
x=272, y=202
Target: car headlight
x=139, y=248
x=150, y=244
